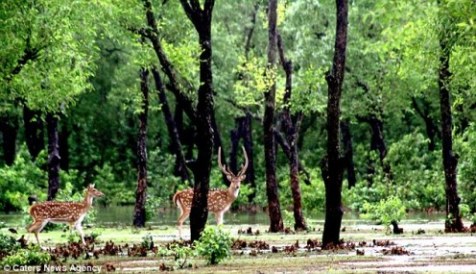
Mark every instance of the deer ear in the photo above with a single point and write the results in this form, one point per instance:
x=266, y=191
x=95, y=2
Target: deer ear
x=229, y=178
x=91, y=185
x=242, y=177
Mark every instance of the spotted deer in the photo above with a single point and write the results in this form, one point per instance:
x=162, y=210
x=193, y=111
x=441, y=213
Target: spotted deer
x=219, y=200
x=71, y=213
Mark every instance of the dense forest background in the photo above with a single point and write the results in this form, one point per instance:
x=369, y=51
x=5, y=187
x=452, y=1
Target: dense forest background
x=80, y=80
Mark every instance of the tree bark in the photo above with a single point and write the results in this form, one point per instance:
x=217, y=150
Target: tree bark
x=34, y=131
x=431, y=128
x=274, y=208
x=9, y=129
x=450, y=160
x=176, y=145
x=201, y=19
x=291, y=127
x=141, y=191
x=54, y=158
x=332, y=169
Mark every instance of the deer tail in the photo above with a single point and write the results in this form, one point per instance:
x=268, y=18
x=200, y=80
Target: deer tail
x=175, y=198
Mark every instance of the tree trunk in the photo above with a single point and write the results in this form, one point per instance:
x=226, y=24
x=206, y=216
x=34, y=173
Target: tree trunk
x=431, y=128
x=141, y=191
x=9, y=129
x=332, y=169
x=202, y=19
x=34, y=131
x=54, y=158
x=291, y=129
x=450, y=161
x=176, y=145
x=274, y=209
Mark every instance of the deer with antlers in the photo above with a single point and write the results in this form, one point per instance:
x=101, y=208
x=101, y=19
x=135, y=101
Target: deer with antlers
x=71, y=213
x=219, y=200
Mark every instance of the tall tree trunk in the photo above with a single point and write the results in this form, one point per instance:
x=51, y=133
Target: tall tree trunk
x=141, y=191
x=9, y=129
x=34, y=131
x=450, y=160
x=176, y=145
x=332, y=169
x=202, y=19
x=54, y=158
x=274, y=208
x=291, y=127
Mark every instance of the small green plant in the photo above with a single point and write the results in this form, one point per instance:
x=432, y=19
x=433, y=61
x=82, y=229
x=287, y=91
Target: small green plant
x=214, y=244
x=147, y=242
x=8, y=243
x=385, y=211
x=32, y=255
x=180, y=254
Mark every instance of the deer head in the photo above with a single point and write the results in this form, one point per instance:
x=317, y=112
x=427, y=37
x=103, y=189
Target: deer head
x=92, y=192
x=235, y=180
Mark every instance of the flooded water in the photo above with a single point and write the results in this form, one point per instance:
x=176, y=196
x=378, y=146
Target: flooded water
x=122, y=215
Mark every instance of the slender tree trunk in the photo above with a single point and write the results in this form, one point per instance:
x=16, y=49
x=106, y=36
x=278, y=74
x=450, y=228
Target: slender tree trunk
x=274, y=208
x=9, y=129
x=176, y=145
x=450, y=160
x=431, y=128
x=291, y=129
x=332, y=168
x=54, y=158
x=141, y=191
x=34, y=131
x=202, y=19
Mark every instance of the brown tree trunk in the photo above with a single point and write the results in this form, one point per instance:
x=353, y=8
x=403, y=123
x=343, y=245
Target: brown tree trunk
x=291, y=127
x=274, y=208
x=431, y=128
x=332, y=169
x=450, y=161
x=141, y=191
x=9, y=130
x=176, y=145
x=54, y=158
x=34, y=131
x=202, y=19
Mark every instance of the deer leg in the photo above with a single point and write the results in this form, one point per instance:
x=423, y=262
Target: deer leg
x=79, y=228
x=219, y=218
x=36, y=227
x=183, y=216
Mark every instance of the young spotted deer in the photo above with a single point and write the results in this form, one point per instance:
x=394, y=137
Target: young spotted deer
x=71, y=213
x=219, y=200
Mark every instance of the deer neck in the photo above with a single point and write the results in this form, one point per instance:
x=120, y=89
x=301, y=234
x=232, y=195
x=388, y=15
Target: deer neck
x=88, y=201
x=232, y=192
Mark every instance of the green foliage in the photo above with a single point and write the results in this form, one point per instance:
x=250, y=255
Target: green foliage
x=8, y=243
x=22, y=179
x=180, y=253
x=385, y=211
x=33, y=255
x=214, y=244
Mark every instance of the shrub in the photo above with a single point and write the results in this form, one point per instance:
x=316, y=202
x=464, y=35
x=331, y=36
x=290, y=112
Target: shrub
x=214, y=244
x=8, y=243
x=385, y=211
x=32, y=255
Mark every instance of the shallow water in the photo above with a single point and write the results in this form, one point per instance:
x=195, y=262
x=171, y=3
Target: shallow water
x=122, y=215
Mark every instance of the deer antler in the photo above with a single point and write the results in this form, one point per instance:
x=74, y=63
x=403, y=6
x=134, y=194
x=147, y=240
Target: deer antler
x=223, y=167
x=245, y=166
